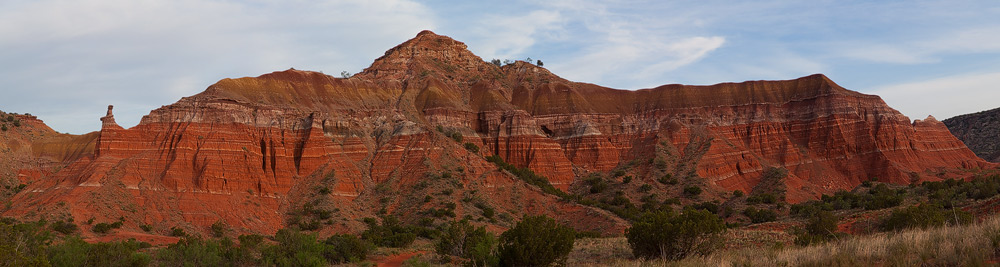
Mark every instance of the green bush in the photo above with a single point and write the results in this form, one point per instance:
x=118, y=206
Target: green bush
x=760, y=215
x=194, y=251
x=536, y=241
x=472, y=147
x=645, y=188
x=820, y=228
x=294, y=248
x=662, y=235
x=464, y=240
x=668, y=179
x=766, y=198
x=64, y=227
x=391, y=233
x=597, y=184
x=345, y=248
x=218, y=229
x=692, y=190
x=175, y=231
x=23, y=244
x=76, y=252
x=627, y=179
x=104, y=228
x=737, y=193
x=925, y=216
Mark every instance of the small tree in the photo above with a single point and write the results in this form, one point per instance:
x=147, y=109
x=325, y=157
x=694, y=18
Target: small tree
x=661, y=235
x=536, y=241
x=464, y=240
x=218, y=229
x=821, y=228
x=539, y=63
x=346, y=248
x=345, y=74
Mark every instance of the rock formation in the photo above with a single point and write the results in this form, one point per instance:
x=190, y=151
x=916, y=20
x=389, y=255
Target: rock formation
x=979, y=131
x=261, y=153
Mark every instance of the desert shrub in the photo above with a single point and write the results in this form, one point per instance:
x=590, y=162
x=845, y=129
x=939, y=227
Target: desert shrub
x=462, y=239
x=765, y=198
x=146, y=227
x=391, y=233
x=663, y=235
x=64, y=227
x=925, y=216
x=737, y=193
x=345, y=248
x=645, y=188
x=597, y=184
x=668, y=179
x=104, y=228
x=692, y=190
x=76, y=252
x=877, y=197
x=488, y=211
x=760, y=215
x=3, y=128
x=627, y=179
x=707, y=206
x=218, y=229
x=294, y=248
x=195, y=251
x=323, y=190
x=23, y=244
x=472, y=147
x=535, y=241
x=819, y=229
x=175, y=231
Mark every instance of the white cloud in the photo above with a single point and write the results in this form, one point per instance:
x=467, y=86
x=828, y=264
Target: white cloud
x=944, y=97
x=509, y=36
x=86, y=54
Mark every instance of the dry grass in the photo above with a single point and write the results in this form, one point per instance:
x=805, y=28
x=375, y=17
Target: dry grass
x=971, y=245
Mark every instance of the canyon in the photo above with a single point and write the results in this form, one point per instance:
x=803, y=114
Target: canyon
x=409, y=136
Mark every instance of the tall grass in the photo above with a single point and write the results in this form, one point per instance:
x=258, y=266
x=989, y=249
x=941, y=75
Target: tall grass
x=970, y=245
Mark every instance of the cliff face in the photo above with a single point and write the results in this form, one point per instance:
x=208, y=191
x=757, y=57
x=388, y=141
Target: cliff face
x=393, y=139
x=979, y=131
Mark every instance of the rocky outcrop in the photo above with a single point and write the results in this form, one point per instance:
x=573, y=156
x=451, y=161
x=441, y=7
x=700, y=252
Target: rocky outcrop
x=399, y=138
x=979, y=131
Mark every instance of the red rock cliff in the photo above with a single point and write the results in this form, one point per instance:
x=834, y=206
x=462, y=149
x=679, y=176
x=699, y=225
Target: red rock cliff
x=250, y=151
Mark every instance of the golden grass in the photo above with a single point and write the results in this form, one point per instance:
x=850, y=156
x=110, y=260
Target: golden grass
x=970, y=245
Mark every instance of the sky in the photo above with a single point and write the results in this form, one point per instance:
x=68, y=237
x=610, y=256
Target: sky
x=66, y=60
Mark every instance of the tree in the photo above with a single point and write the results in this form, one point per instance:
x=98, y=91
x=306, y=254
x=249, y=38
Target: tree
x=539, y=63
x=661, y=235
x=821, y=228
x=345, y=248
x=496, y=62
x=345, y=74
x=464, y=240
x=536, y=241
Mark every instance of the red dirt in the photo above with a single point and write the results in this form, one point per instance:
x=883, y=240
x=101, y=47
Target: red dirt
x=398, y=259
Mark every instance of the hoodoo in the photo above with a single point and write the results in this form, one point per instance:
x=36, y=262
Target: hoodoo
x=410, y=136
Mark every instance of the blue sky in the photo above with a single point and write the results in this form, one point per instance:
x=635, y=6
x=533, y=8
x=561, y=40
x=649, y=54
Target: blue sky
x=66, y=60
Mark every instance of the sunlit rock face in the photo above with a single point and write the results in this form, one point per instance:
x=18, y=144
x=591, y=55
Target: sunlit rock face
x=250, y=152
